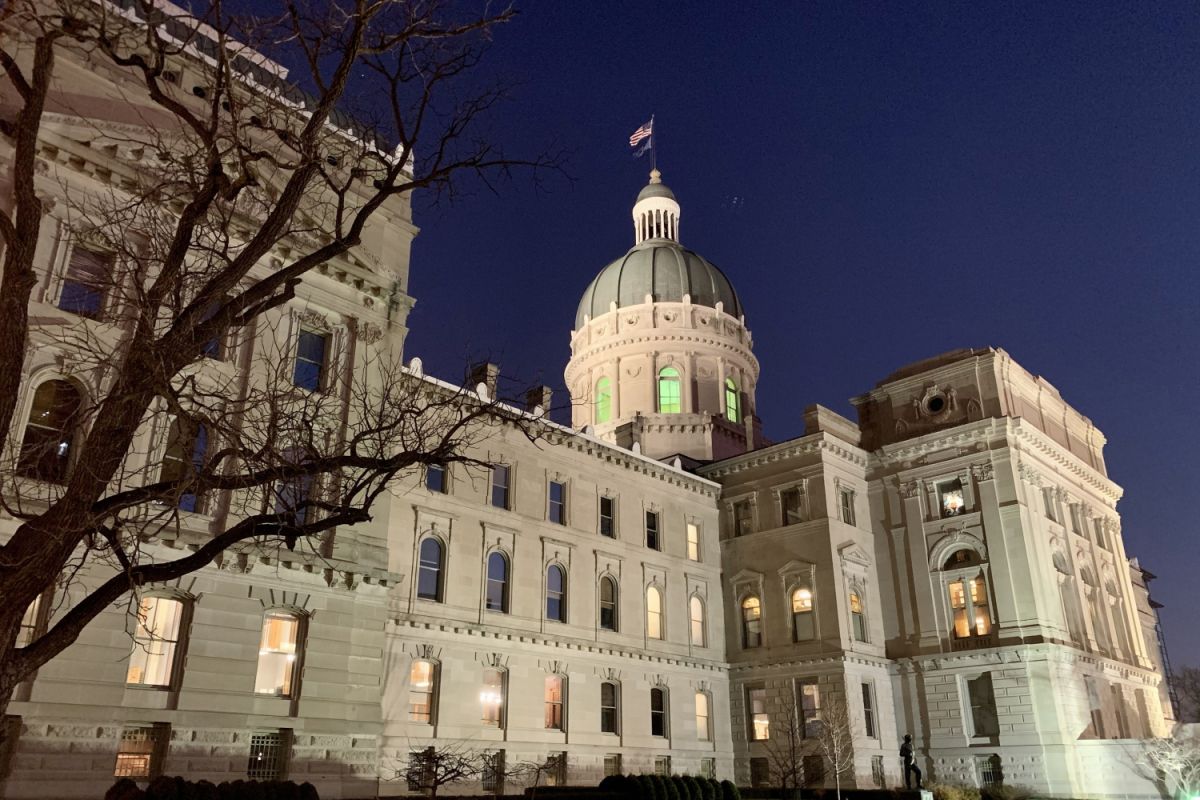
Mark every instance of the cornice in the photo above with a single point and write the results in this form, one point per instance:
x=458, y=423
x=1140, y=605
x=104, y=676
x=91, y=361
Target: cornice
x=659, y=336
x=811, y=444
x=1050, y=451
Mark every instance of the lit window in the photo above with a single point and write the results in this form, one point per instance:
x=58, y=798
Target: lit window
x=497, y=583
x=603, y=401
x=970, y=615
x=608, y=517
x=983, y=706
x=269, y=755
x=277, y=655
x=183, y=460
x=743, y=518
x=422, y=684
x=311, y=349
x=732, y=401
x=608, y=604
x=653, y=613
x=846, y=497
x=658, y=712
x=950, y=498
x=491, y=697
x=557, y=495
x=155, y=642
x=435, y=478
x=652, y=540
x=703, y=725
x=51, y=432
x=29, y=623
x=86, y=282
x=858, y=617
x=791, y=506
x=609, y=712
x=140, y=751
x=760, y=722
x=429, y=572
x=556, y=590
x=554, y=702
x=696, y=612
x=810, y=708
x=751, y=622
x=803, y=627
x=868, y=698
x=669, y=397
x=500, y=477
x=693, y=541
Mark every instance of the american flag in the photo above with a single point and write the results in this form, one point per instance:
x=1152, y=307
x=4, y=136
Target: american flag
x=644, y=132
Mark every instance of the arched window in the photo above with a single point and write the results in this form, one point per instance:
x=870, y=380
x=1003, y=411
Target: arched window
x=608, y=604
x=422, y=689
x=751, y=622
x=429, y=571
x=156, y=642
x=603, y=400
x=670, y=397
x=658, y=712
x=556, y=591
x=858, y=617
x=51, y=432
x=968, y=595
x=696, y=612
x=733, y=401
x=187, y=444
x=609, y=710
x=703, y=723
x=278, y=654
x=802, y=614
x=654, y=627
x=497, y=582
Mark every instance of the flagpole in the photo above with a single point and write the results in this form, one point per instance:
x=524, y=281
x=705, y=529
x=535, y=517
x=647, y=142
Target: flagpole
x=653, y=145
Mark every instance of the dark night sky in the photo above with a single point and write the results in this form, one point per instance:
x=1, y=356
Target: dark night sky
x=882, y=183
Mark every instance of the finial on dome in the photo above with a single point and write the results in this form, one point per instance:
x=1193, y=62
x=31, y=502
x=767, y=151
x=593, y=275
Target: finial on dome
x=655, y=176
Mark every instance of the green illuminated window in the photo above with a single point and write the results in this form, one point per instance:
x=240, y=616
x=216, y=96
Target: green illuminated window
x=603, y=400
x=669, y=397
x=733, y=410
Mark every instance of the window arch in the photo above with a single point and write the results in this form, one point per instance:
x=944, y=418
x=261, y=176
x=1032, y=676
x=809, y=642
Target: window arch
x=608, y=603
x=670, y=395
x=603, y=400
x=696, y=615
x=556, y=593
x=751, y=622
x=733, y=401
x=187, y=444
x=51, y=432
x=658, y=711
x=279, y=654
x=422, y=691
x=429, y=569
x=803, y=625
x=858, y=616
x=654, y=623
x=497, y=582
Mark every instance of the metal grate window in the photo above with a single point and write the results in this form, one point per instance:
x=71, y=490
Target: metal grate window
x=877, y=773
x=708, y=768
x=662, y=765
x=492, y=776
x=612, y=764
x=556, y=769
x=140, y=751
x=991, y=772
x=269, y=755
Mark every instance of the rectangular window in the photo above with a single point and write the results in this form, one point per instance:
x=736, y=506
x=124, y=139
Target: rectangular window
x=435, y=478
x=693, y=541
x=554, y=703
x=814, y=770
x=269, y=752
x=311, y=352
x=868, y=697
x=760, y=722
x=1101, y=539
x=28, y=630
x=743, y=518
x=790, y=505
x=608, y=517
x=556, y=769
x=760, y=772
x=420, y=770
x=658, y=712
x=662, y=765
x=491, y=776
x=990, y=770
x=1077, y=518
x=500, y=479
x=1050, y=503
x=609, y=711
x=86, y=283
x=421, y=685
x=810, y=707
x=652, y=539
x=708, y=768
x=557, y=495
x=950, y=498
x=155, y=642
x=983, y=706
x=491, y=698
x=141, y=750
x=277, y=654
x=612, y=764
x=878, y=776
x=846, y=501
x=703, y=725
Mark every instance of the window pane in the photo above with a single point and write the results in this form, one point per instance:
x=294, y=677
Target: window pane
x=558, y=502
x=555, y=590
x=703, y=733
x=429, y=574
x=603, y=401
x=608, y=708
x=155, y=640
x=50, y=432
x=608, y=604
x=310, y=360
x=497, y=582
x=554, y=702
x=653, y=613
x=420, y=692
x=268, y=756
x=751, y=622
x=658, y=712
x=697, y=620
x=500, y=474
x=810, y=708
x=732, y=409
x=693, y=541
x=435, y=478
x=85, y=283
x=277, y=655
x=652, y=530
x=760, y=727
x=139, y=751
x=607, y=518
x=491, y=697
x=669, y=396
x=950, y=496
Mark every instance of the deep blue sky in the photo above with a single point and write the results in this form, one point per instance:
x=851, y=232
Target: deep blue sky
x=882, y=183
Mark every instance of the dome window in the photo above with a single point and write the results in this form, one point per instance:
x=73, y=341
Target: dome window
x=603, y=401
x=733, y=411
x=670, y=400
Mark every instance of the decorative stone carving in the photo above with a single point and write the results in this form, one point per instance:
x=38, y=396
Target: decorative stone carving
x=909, y=489
x=313, y=319
x=984, y=472
x=369, y=332
x=1028, y=474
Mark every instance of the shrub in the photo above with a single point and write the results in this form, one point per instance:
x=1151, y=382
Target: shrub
x=691, y=788
x=308, y=792
x=952, y=791
x=1005, y=792
x=648, y=789
x=672, y=785
x=124, y=789
x=729, y=791
x=660, y=788
x=711, y=788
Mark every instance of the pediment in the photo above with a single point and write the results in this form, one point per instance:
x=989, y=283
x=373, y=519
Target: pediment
x=855, y=554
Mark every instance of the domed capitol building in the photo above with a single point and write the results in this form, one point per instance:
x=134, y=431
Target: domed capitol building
x=654, y=588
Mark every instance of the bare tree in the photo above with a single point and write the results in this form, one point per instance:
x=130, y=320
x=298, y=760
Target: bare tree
x=231, y=188
x=431, y=768
x=785, y=751
x=1174, y=763
x=1186, y=682
x=836, y=738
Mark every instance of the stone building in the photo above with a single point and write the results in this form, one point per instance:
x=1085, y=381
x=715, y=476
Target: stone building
x=655, y=588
